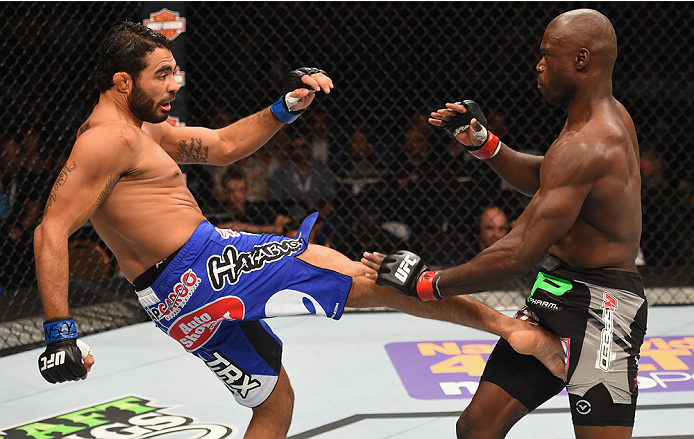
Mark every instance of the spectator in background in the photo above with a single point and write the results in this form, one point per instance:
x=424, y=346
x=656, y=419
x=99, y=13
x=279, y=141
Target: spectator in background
x=260, y=166
x=360, y=189
x=411, y=201
x=247, y=216
x=360, y=230
x=490, y=226
x=658, y=216
x=320, y=136
x=362, y=164
x=10, y=159
x=302, y=184
x=23, y=189
x=420, y=123
x=493, y=226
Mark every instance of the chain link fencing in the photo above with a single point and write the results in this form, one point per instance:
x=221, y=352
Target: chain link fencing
x=381, y=177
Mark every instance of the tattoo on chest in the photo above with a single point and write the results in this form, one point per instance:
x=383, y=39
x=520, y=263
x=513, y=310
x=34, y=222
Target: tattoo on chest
x=193, y=151
x=59, y=182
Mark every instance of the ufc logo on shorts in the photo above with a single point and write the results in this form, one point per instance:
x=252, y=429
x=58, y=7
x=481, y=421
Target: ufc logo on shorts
x=404, y=269
x=231, y=375
x=56, y=359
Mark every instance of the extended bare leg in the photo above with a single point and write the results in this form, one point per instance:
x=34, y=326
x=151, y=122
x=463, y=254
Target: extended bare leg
x=272, y=418
x=464, y=310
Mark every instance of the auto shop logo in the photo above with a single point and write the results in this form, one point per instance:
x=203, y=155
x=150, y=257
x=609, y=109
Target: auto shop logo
x=196, y=328
x=132, y=417
x=166, y=22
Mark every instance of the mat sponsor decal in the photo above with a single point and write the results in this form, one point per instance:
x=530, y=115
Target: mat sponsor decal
x=452, y=369
x=132, y=417
x=666, y=364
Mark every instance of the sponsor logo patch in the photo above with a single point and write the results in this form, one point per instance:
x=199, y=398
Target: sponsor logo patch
x=543, y=304
x=235, y=378
x=227, y=233
x=230, y=265
x=609, y=305
x=166, y=22
x=583, y=407
x=404, y=269
x=177, y=299
x=196, y=328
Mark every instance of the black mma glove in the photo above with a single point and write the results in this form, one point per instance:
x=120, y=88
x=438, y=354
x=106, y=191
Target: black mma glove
x=406, y=273
x=292, y=80
x=490, y=142
x=62, y=359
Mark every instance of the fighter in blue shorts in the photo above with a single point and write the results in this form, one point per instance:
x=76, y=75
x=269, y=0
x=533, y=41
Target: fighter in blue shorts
x=212, y=295
x=585, y=211
x=210, y=289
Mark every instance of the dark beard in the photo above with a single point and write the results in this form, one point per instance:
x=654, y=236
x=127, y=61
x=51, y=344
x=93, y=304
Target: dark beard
x=143, y=107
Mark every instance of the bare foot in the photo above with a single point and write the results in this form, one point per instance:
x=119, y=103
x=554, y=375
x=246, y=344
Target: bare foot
x=532, y=340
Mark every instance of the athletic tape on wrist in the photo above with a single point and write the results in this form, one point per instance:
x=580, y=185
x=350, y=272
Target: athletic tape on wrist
x=489, y=148
x=59, y=330
x=84, y=349
x=428, y=286
x=281, y=113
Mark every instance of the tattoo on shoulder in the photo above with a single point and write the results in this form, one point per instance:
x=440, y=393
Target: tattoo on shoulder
x=192, y=152
x=83, y=128
x=59, y=182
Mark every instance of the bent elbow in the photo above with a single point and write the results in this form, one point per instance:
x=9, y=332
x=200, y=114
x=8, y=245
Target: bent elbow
x=47, y=235
x=38, y=236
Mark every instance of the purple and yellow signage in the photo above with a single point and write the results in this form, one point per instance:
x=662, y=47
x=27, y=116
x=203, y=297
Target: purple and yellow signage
x=452, y=369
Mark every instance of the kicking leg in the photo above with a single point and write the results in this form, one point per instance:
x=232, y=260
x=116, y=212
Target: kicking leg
x=463, y=310
x=272, y=418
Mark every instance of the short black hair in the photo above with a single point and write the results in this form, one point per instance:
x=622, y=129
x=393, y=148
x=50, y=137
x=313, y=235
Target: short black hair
x=233, y=173
x=124, y=50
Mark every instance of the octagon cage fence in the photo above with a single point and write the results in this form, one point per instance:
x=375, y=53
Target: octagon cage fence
x=382, y=177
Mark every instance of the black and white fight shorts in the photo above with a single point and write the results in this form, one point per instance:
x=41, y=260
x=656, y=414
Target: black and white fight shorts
x=601, y=317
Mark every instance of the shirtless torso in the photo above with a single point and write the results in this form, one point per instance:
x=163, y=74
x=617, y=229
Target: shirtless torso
x=122, y=175
x=607, y=230
x=149, y=212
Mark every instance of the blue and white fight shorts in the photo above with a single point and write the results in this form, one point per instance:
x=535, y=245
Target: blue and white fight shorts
x=214, y=293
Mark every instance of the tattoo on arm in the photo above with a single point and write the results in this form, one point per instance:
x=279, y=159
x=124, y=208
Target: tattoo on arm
x=60, y=181
x=107, y=190
x=191, y=152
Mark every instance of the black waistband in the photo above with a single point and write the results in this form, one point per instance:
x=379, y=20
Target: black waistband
x=147, y=278
x=624, y=280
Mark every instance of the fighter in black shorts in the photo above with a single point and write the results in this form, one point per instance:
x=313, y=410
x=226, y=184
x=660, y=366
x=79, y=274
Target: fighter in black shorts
x=585, y=211
x=601, y=317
